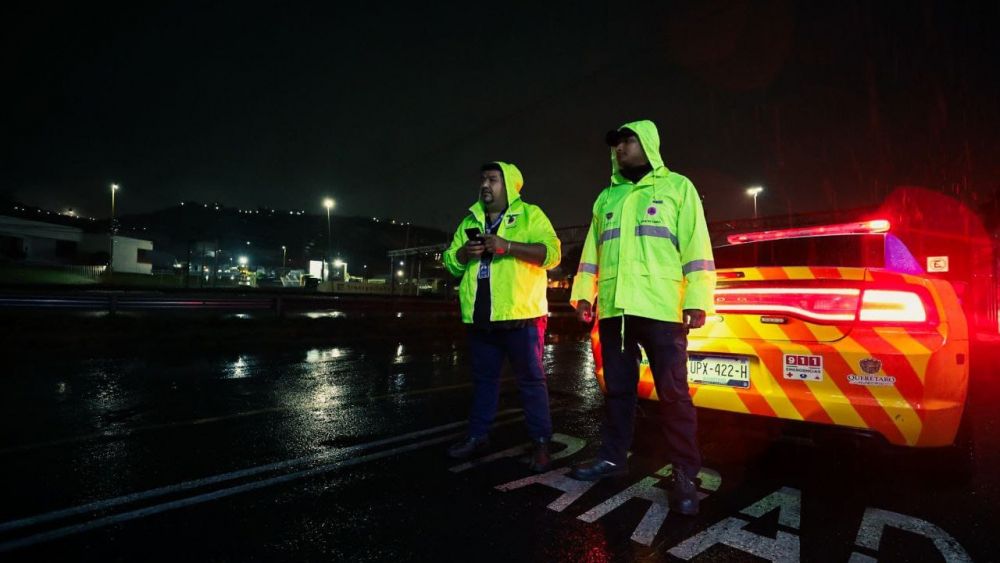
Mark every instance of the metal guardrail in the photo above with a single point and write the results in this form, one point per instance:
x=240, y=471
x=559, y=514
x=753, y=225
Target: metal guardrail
x=277, y=304
x=117, y=302
x=52, y=302
x=139, y=303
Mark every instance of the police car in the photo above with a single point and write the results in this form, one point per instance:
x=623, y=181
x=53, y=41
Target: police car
x=837, y=325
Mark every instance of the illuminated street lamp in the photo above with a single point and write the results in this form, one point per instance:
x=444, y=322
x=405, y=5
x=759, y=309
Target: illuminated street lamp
x=754, y=191
x=114, y=230
x=284, y=254
x=244, y=260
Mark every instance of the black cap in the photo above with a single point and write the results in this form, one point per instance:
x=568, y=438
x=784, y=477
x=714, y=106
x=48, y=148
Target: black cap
x=615, y=136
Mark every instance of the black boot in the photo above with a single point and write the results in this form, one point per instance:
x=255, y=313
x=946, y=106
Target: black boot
x=683, y=494
x=539, y=460
x=468, y=446
x=597, y=469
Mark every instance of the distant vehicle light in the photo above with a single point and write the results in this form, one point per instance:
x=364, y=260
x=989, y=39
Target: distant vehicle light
x=859, y=228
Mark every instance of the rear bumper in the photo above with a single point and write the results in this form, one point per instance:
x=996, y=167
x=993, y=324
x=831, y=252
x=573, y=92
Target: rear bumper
x=908, y=389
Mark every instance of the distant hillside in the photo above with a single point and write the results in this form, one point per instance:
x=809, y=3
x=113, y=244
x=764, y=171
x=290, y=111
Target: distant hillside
x=356, y=240
x=175, y=230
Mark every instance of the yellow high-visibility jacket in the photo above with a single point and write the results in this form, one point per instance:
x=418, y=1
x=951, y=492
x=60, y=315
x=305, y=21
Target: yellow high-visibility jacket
x=648, y=251
x=517, y=288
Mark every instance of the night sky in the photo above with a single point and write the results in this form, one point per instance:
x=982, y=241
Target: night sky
x=392, y=108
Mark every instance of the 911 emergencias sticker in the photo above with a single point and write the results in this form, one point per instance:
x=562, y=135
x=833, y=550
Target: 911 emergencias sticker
x=803, y=367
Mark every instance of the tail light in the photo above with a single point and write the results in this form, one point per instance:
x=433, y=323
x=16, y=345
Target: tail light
x=829, y=305
x=825, y=305
x=881, y=305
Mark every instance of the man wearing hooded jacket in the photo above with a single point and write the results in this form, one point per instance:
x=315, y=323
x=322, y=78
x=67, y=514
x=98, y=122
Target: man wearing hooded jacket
x=502, y=296
x=647, y=261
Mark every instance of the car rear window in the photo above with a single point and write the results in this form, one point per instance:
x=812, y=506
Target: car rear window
x=864, y=251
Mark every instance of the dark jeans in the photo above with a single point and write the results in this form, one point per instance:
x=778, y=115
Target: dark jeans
x=666, y=347
x=523, y=347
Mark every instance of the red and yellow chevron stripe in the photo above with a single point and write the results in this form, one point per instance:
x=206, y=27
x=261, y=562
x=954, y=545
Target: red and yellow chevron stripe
x=921, y=407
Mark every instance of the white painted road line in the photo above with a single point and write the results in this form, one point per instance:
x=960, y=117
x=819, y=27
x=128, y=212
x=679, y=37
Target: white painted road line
x=221, y=478
x=222, y=493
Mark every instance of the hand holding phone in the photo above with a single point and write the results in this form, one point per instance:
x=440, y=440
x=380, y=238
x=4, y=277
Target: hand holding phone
x=474, y=247
x=474, y=235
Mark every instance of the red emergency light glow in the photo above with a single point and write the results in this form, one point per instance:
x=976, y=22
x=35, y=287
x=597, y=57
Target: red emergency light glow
x=860, y=228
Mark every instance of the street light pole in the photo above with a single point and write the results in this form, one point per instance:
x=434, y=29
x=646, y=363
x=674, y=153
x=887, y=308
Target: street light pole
x=754, y=191
x=328, y=203
x=284, y=254
x=114, y=230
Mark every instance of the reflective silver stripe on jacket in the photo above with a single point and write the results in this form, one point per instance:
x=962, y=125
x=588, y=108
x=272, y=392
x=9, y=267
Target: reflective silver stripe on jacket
x=698, y=266
x=651, y=231
x=610, y=234
x=587, y=268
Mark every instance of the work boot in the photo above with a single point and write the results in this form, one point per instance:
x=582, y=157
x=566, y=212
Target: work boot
x=683, y=494
x=470, y=445
x=597, y=469
x=539, y=460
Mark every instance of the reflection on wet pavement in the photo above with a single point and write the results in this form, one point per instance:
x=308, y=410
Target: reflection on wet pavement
x=82, y=431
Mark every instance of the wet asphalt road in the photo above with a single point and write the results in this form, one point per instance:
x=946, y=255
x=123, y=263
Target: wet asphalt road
x=336, y=454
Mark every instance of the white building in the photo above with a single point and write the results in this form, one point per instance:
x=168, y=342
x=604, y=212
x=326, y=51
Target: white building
x=131, y=255
x=40, y=243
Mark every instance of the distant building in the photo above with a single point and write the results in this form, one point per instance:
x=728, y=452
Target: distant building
x=132, y=255
x=22, y=240
x=48, y=244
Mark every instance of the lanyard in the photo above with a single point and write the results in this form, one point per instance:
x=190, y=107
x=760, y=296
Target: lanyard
x=492, y=227
x=487, y=259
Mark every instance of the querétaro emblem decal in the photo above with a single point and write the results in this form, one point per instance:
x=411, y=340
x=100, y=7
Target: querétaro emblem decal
x=870, y=366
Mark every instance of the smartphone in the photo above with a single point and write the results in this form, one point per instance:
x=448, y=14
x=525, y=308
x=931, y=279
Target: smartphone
x=474, y=234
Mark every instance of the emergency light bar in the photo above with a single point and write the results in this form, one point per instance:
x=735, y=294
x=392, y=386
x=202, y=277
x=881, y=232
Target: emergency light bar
x=861, y=228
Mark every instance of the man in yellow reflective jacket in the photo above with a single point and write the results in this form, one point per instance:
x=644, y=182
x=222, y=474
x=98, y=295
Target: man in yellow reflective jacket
x=502, y=296
x=647, y=262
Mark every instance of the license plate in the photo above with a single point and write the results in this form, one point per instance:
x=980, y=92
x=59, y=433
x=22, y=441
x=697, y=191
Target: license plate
x=730, y=371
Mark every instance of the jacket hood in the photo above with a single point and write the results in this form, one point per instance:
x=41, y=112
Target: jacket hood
x=513, y=181
x=650, y=139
